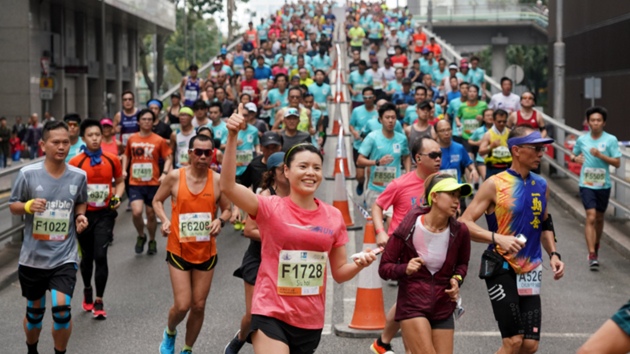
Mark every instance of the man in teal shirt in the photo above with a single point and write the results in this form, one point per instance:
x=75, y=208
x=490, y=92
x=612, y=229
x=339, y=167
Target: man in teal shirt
x=73, y=120
x=383, y=150
x=359, y=80
x=279, y=96
x=360, y=117
x=453, y=107
x=596, y=151
x=476, y=76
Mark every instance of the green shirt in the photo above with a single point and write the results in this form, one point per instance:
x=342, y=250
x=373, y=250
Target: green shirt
x=357, y=34
x=468, y=117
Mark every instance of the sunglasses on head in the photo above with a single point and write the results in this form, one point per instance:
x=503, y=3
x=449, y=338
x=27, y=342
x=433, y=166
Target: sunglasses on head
x=201, y=152
x=433, y=155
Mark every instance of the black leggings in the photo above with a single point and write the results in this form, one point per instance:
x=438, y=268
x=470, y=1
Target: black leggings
x=94, y=242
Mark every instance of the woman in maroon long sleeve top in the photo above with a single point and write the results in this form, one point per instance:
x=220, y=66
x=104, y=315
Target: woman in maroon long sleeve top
x=428, y=254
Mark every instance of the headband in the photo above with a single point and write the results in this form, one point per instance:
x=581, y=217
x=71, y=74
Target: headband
x=155, y=102
x=186, y=110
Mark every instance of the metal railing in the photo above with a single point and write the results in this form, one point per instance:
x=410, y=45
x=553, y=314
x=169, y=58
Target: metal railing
x=486, y=12
x=621, y=186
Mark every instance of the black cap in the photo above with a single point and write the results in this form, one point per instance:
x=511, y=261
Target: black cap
x=72, y=117
x=270, y=138
x=406, y=81
x=423, y=104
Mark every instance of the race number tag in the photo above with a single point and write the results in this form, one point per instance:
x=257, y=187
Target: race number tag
x=97, y=194
x=238, y=68
x=183, y=157
x=142, y=171
x=419, y=42
x=377, y=84
x=595, y=177
x=51, y=225
x=190, y=95
x=398, y=65
x=263, y=82
x=501, y=152
x=383, y=175
x=529, y=283
x=359, y=88
x=125, y=138
x=470, y=125
x=194, y=227
x=244, y=157
x=450, y=171
x=175, y=126
x=301, y=273
x=252, y=37
x=323, y=106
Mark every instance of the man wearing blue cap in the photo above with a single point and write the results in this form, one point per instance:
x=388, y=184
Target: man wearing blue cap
x=515, y=203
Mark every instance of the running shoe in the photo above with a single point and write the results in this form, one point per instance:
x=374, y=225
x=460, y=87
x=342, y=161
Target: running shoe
x=235, y=345
x=593, y=263
x=88, y=304
x=140, y=241
x=99, y=311
x=128, y=208
x=238, y=226
x=378, y=349
x=186, y=351
x=168, y=343
x=152, y=248
x=360, y=189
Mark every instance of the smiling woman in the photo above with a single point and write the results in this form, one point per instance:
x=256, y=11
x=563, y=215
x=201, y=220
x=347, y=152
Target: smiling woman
x=298, y=234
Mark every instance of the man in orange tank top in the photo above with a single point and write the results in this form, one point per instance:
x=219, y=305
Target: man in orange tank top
x=191, y=253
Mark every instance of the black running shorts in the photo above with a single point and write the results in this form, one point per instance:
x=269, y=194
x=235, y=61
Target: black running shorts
x=299, y=340
x=34, y=281
x=517, y=315
x=181, y=264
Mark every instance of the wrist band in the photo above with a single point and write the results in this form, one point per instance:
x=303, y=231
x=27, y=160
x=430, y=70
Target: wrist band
x=27, y=206
x=379, y=230
x=458, y=278
x=494, y=243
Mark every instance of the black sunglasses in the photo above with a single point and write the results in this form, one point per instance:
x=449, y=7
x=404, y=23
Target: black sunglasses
x=201, y=152
x=433, y=155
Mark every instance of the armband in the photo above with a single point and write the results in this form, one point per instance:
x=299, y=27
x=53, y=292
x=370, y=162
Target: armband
x=547, y=225
x=27, y=206
x=542, y=128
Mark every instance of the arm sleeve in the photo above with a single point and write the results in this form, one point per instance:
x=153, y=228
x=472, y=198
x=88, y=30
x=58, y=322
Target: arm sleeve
x=492, y=103
x=386, y=199
x=341, y=236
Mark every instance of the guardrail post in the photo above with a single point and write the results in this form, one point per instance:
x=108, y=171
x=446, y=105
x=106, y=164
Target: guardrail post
x=16, y=220
x=620, y=190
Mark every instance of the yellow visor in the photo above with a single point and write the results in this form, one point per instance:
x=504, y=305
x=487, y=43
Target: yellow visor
x=449, y=185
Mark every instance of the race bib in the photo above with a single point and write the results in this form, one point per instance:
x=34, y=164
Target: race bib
x=263, y=82
x=301, y=273
x=529, y=283
x=359, y=88
x=125, y=138
x=194, y=227
x=142, y=171
x=244, y=157
x=97, y=194
x=252, y=37
x=595, y=177
x=51, y=225
x=419, y=42
x=183, y=157
x=378, y=85
x=323, y=106
x=175, y=126
x=398, y=65
x=450, y=171
x=501, y=152
x=383, y=175
x=237, y=68
x=470, y=125
x=190, y=95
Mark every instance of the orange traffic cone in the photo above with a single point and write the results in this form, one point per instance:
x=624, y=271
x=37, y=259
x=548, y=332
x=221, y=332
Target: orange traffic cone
x=340, y=198
x=341, y=158
x=369, y=309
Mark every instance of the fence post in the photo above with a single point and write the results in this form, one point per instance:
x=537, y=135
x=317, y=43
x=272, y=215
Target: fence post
x=16, y=220
x=620, y=190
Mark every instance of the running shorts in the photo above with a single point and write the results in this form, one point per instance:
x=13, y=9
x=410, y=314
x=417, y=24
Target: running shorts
x=34, y=281
x=144, y=193
x=181, y=264
x=448, y=323
x=595, y=198
x=299, y=340
x=355, y=157
x=248, y=271
x=376, y=41
x=516, y=315
x=622, y=318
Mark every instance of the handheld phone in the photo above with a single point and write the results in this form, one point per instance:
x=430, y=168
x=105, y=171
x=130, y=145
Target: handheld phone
x=375, y=252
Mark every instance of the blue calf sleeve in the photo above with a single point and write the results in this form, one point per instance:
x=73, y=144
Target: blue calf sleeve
x=60, y=321
x=35, y=315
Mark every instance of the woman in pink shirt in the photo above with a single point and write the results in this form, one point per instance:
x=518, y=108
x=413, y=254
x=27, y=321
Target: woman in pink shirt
x=299, y=233
x=428, y=254
x=280, y=69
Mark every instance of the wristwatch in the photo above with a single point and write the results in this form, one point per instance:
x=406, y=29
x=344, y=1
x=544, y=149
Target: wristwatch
x=222, y=222
x=555, y=253
x=377, y=162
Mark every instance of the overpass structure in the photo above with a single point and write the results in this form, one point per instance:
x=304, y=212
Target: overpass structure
x=468, y=26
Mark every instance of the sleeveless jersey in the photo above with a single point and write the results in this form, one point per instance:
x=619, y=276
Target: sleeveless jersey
x=251, y=35
x=520, y=208
x=500, y=155
x=533, y=121
x=173, y=119
x=191, y=214
x=128, y=126
x=191, y=91
x=237, y=63
x=181, y=159
x=303, y=124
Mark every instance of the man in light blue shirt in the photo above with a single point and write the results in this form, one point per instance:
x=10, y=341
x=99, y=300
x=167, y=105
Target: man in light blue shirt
x=453, y=107
x=360, y=117
x=357, y=81
x=476, y=76
x=596, y=151
x=73, y=120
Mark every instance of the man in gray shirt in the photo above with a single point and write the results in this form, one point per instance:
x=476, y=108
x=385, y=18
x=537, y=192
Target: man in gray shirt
x=290, y=135
x=53, y=197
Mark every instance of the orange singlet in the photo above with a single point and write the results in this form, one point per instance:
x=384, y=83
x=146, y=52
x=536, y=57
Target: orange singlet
x=191, y=214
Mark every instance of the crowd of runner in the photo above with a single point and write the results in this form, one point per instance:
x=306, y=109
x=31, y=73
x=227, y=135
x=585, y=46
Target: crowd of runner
x=244, y=146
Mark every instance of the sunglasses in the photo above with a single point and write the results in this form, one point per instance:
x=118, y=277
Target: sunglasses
x=527, y=97
x=368, y=97
x=127, y=99
x=73, y=124
x=201, y=152
x=294, y=97
x=535, y=148
x=501, y=121
x=433, y=155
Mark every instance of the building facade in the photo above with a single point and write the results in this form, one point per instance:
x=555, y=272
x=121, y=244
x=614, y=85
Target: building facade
x=87, y=66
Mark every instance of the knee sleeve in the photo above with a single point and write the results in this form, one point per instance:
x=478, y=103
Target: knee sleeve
x=35, y=315
x=61, y=321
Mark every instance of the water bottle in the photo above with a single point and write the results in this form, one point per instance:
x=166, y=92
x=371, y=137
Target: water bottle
x=521, y=238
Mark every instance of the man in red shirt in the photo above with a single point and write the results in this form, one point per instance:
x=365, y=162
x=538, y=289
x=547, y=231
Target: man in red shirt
x=402, y=194
x=249, y=85
x=400, y=60
x=101, y=168
x=434, y=47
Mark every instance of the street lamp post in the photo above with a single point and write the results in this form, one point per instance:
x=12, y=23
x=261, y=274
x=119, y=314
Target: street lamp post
x=558, y=87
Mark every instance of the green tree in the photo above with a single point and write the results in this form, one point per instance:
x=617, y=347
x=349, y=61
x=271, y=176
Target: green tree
x=204, y=43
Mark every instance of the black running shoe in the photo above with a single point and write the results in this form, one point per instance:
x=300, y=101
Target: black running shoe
x=140, y=241
x=152, y=248
x=234, y=346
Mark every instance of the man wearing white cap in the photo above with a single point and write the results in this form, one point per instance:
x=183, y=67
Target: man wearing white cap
x=260, y=124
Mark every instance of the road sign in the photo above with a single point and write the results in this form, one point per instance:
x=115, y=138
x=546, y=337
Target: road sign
x=593, y=87
x=46, y=85
x=516, y=73
x=45, y=62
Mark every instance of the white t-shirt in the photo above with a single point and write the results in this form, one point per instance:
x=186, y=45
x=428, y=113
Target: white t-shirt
x=389, y=74
x=392, y=40
x=431, y=247
x=509, y=103
x=377, y=78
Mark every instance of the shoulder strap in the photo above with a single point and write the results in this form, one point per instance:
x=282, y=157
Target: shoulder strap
x=81, y=163
x=111, y=163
